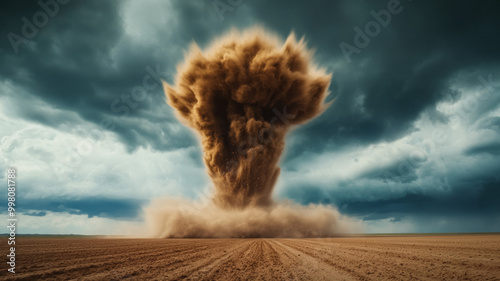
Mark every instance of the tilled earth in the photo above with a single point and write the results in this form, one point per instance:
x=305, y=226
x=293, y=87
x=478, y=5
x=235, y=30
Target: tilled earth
x=419, y=257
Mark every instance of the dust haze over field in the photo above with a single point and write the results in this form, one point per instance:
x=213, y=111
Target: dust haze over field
x=242, y=95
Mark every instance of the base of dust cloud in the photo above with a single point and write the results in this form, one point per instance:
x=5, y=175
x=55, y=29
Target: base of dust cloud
x=177, y=218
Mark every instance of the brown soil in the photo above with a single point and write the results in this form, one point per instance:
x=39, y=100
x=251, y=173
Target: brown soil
x=437, y=257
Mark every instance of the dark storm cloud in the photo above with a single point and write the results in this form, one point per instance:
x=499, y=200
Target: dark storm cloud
x=91, y=206
x=488, y=148
x=492, y=123
x=481, y=200
x=476, y=201
x=70, y=65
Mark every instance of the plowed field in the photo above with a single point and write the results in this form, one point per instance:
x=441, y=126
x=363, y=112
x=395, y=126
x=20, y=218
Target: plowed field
x=452, y=257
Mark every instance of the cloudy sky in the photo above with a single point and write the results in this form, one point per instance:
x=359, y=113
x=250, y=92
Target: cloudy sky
x=411, y=144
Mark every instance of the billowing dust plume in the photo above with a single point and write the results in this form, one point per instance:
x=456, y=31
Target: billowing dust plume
x=242, y=95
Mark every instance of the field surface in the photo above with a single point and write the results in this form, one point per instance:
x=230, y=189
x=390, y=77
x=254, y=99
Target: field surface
x=435, y=257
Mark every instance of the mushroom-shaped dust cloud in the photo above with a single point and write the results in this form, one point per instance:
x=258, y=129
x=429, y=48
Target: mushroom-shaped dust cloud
x=242, y=95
